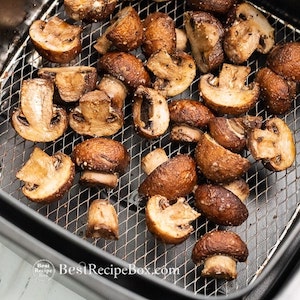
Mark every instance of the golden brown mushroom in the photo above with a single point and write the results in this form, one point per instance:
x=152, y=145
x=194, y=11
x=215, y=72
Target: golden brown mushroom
x=219, y=251
x=47, y=178
x=38, y=119
x=170, y=223
x=56, y=40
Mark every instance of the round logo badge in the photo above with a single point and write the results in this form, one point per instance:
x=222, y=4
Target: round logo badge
x=43, y=269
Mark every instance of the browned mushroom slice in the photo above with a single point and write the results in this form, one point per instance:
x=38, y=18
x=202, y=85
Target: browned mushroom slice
x=220, y=251
x=205, y=34
x=228, y=93
x=96, y=115
x=89, y=10
x=174, y=73
x=125, y=32
x=249, y=32
x=159, y=33
x=72, y=82
x=102, y=220
x=170, y=223
x=56, y=40
x=153, y=159
x=150, y=112
x=274, y=145
x=214, y=6
x=102, y=160
x=125, y=67
x=218, y=163
x=38, y=120
x=172, y=179
x=220, y=205
x=284, y=59
x=47, y=178
x=231, y=133
x=185, y=133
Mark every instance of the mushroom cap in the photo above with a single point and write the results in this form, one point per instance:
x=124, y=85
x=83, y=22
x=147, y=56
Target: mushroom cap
x=89, y=10
x=101, y=154
x=125, y=67
x=275, y=145
x=219, y=242
x=190, y=112
x=220, y=205
x=170, y=222
x=284, y=59
x=172, y=179
x=56, y=40
x=228, y=93
x=217, y=163
x=47, y=178
x=213, y=6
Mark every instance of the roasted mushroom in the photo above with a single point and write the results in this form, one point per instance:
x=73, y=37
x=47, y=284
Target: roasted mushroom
x=71, y=82
x=170, y=223
x=217, y=163
x=284, y=59
x=274, y=145
x=219, y=7
x=89, y=10
x=125, y=67
x=172, y=179
x=125, y=32
x=231, y=133
x=150, y=112
x=278, y=93
x=228, y=93
x=159, y=33
x=220, y=251
x=205, y=34
x=174, y=73
x=47, y=178
x=102, y=161
x=250, y=31
x=37, y=119
x=220, y=205
x=102, y=220
x=56, y=40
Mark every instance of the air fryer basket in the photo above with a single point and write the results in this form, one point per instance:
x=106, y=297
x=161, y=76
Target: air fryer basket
x=273, y=203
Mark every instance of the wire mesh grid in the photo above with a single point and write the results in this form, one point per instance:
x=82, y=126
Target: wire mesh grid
x=273, y=202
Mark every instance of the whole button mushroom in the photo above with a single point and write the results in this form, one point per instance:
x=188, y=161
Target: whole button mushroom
x=219, y=251
x=220, y=205
x=102, y=160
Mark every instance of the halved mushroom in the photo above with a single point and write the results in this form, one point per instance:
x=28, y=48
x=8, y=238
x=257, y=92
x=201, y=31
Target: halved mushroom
x=89, y=10
x=249, y=32
x=47, y=178
x=56, y=40
x=174, y=72
x=150, y=112
x=170, y=223
x=219, y=7
x=96, y=115
x=102, y=160
x=37, y=119
x=126, y=67
x=172, y=179
x=220, y=205
x=277, y=92
x=205, y=34
x=228, y=93
x=102, y=220
x=220, y=251
x=71, y=82
x=231, y=133
x=125, y=32
x=284, y=59
x=274, y=145
x=159, y=33
x=217, y=163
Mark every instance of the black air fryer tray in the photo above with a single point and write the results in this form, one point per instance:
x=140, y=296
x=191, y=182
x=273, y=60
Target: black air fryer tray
x=270, y=232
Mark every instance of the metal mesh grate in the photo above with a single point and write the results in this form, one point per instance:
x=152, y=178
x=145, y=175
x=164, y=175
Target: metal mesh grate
x=273, y=203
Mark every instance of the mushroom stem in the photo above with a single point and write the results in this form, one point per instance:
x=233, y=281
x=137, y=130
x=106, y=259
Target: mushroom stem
x=93, y=178
x=153, y=159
